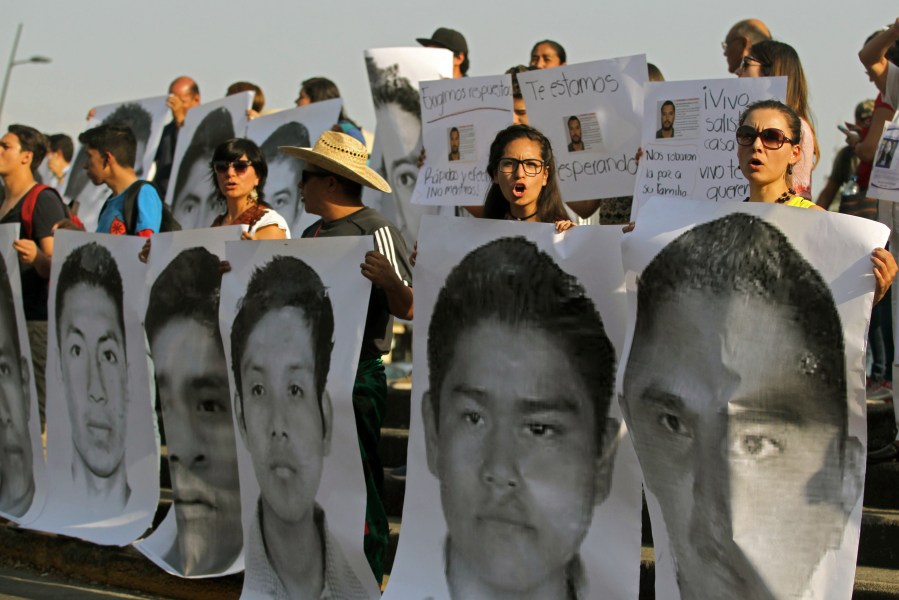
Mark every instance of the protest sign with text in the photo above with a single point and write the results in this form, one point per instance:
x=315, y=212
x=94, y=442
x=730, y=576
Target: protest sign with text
x=885, y=174
x=591, y=112
x=460, y=118
x=689, y=137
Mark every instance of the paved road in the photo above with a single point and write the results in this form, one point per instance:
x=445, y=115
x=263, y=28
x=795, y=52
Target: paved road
x=16, y=584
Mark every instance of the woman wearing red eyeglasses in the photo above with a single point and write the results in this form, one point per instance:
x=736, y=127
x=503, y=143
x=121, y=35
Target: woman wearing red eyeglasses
x=239, y=171
x=768, y=147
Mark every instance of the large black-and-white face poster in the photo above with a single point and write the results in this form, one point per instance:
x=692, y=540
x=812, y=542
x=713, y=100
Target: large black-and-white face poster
x=201, y=534
x=521, y=481
x=22, y=477
x=146, y=119
x=292, y=315
x=300, y=126
x=743, y=389
x=102, y=448
x=192, y=193
x=394, y=75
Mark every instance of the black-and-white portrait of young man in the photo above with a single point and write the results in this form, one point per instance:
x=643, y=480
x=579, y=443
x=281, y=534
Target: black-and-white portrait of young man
x=735, y=392
x=518, y=428
x=281, y=340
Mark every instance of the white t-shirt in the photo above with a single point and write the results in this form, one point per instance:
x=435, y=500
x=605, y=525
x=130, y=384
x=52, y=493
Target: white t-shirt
x=891, y=92
x=271, y=217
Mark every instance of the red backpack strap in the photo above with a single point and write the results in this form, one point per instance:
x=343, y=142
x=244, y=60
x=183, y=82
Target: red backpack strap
x=28, y=209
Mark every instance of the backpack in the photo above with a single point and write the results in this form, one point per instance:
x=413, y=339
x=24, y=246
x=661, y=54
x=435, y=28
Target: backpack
x=129, y=210
x=29, y=203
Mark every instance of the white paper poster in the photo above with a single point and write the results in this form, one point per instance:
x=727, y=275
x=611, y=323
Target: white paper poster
x=292, y=315
x=22, y=477
x=300, y=126
x=201, y=534
x=885, y=174
x=592, y=114
x=394, y=75
x=689, y=137
x=102, y=449
x=192, y=194
x=460, y=118
x=521, y=481
x=146, y=118
x=743, y=389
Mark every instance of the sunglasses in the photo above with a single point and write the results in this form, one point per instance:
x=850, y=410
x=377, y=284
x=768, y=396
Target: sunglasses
x=307, y=175
x=240, y=166
x=772, y=139
x=748, y=61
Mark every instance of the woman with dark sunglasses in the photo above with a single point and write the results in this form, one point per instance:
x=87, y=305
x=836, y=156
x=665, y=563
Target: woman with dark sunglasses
x=771, y=59
x=768, y=147
x=239, y=171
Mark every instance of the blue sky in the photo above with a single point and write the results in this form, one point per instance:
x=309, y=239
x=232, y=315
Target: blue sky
x=108, y=51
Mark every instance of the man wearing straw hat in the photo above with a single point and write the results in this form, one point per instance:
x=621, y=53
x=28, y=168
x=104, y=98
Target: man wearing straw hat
x=331, y=187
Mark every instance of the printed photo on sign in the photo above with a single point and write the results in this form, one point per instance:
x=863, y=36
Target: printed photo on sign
x=291, y=317
x=583, y=133
x=201, y=534
x=743, y=390
x=102, y=452
x=684, y=113
x=519, y=476
x=193, y=197
x=22, y=476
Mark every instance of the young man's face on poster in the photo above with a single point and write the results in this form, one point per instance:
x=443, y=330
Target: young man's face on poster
x=512, y=437
x=739, y=440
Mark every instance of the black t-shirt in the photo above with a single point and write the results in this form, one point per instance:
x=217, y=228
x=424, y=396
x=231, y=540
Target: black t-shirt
x=389, y=242
x=165, y=157
x=48, y=210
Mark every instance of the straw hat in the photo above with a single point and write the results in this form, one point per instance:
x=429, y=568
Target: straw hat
x=342, y=155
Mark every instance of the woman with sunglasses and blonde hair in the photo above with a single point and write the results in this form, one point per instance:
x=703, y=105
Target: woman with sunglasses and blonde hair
x=768, y=146
x=239, y=171
x=772, y=59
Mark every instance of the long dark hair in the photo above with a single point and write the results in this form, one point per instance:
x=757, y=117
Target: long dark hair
x=322, y=88
x=549, y=204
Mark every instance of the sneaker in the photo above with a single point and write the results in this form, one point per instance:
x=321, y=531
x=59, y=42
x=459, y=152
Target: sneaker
x=882, y=390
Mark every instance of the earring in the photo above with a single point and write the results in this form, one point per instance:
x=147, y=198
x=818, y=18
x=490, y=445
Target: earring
x=254, y=195
x=790, y=169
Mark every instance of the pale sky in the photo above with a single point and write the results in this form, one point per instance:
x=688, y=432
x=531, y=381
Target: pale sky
x=107, y=51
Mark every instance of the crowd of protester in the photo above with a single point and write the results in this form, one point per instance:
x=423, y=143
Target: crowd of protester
x=520, y=164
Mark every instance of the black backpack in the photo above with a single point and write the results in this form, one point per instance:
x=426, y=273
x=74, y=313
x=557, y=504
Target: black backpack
x=169, y=223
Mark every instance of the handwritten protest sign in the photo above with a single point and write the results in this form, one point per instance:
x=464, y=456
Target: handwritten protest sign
x=885, y=175
x=591, y=112
x=460, y=118
x=689, y=143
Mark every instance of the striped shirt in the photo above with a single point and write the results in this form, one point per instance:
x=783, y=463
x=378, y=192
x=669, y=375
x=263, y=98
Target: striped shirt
x=388, y=241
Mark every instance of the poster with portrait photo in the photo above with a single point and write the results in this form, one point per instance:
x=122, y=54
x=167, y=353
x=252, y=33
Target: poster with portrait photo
x=146, y=118
x=192, y=193
x=460, y=117
x=520, y=477
x=885, y=175
x=200, y=536
x=612, y=91
x=749, y=417
x=583, y=132
x=394, y=75
x=700, y=161
x=102, y=446
x=300, y=126
x=292, y=315
x=22, y=476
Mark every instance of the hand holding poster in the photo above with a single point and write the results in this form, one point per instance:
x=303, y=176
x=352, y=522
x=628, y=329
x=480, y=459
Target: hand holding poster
x=300, y=126
x=689, y=144
x=592, y=114
x=460, y=118
x=743, y=389
x=146, y=119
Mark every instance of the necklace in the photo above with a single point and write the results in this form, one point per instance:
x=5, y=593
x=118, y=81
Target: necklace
x=511, y=217
x=783, y=198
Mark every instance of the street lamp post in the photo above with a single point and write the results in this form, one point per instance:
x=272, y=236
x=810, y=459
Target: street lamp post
x=13, y=62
